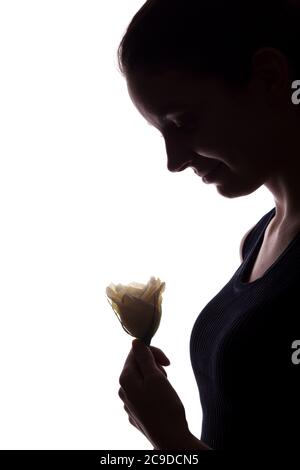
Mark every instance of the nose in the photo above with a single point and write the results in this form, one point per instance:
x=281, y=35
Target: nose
x=178, y=158
x=174, y=167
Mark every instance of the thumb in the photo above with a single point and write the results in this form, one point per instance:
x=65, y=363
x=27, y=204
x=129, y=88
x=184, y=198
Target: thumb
x=144, y=357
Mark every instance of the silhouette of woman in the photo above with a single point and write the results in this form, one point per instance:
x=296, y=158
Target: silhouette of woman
x=215, y=78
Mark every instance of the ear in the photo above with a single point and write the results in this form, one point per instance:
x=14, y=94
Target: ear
x=271, y=74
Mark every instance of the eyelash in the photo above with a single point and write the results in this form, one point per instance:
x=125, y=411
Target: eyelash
x=186, y=123
x=182, y=127
x=178, y=125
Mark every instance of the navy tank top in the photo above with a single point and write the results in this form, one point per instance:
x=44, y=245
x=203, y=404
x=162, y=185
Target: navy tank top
x=243, y=350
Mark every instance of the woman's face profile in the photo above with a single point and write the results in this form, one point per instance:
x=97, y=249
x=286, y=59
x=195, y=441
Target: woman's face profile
x=205, y=123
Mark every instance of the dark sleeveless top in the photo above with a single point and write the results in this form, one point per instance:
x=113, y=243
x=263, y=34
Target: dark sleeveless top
x=241, y=354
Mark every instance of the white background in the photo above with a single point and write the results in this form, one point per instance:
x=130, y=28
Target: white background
x=86, y=199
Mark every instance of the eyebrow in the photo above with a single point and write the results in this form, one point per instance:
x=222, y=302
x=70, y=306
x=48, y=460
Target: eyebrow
x=172, y=108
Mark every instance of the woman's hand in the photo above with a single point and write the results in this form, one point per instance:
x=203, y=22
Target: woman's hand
x=150, y=401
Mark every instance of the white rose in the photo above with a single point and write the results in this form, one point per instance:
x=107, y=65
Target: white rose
x=138, y=307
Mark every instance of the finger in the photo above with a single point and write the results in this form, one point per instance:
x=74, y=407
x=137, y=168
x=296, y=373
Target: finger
x=130, y=371
x=133, y=421
x=144, y=358
x=160, y=356
x=162, y=369
x=121, y=394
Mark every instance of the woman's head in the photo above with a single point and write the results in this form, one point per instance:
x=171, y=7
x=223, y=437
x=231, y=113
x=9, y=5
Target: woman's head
x=229, y=65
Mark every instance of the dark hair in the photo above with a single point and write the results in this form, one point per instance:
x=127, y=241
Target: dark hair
x=209, y=37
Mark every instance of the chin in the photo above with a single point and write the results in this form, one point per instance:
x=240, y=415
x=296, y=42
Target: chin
x=231, y=191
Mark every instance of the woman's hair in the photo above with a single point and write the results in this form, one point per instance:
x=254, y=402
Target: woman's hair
x=209, y=37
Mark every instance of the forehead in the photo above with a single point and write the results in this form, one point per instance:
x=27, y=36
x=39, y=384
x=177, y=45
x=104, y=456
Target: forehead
x=162, y=94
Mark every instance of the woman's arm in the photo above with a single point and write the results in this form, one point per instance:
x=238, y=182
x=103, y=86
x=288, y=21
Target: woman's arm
x=186, y=441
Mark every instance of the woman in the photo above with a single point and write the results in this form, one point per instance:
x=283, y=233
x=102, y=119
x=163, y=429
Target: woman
x=215, y=78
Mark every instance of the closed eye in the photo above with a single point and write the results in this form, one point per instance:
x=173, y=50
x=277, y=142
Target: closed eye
x=184, y=125
x=187, y=122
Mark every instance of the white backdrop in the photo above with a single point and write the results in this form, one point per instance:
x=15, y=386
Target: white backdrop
x=86, y=199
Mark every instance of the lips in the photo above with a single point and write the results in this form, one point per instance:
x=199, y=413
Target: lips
x=205, y=173
x=209, y=177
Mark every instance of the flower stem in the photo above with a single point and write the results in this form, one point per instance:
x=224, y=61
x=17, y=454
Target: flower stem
x=147, y=340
